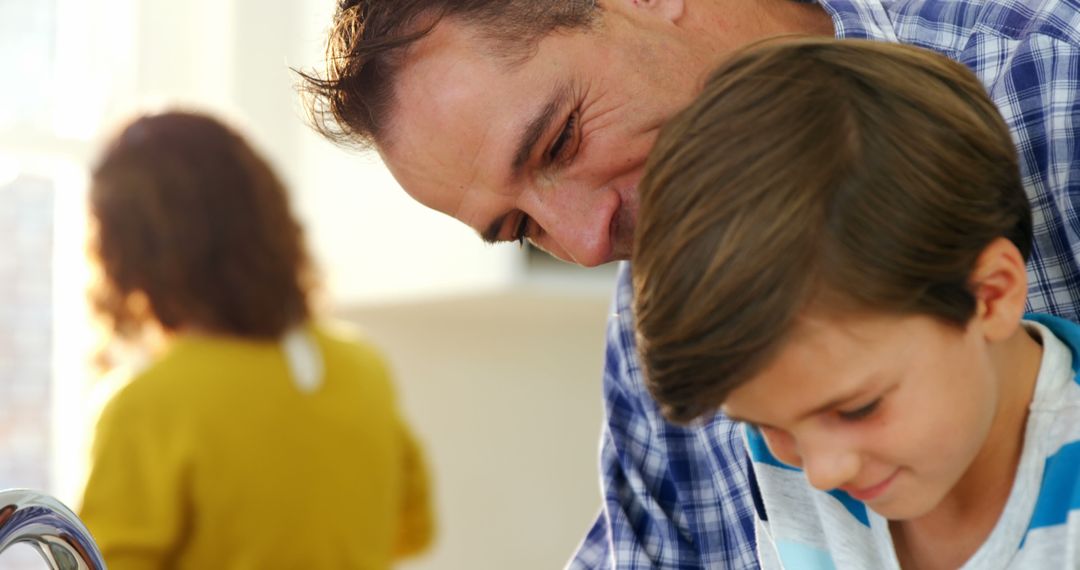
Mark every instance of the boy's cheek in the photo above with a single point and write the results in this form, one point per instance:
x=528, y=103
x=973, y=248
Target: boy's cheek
x=782, y=446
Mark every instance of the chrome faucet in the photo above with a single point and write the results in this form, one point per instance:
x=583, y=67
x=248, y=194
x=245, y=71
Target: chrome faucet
x=50, y=528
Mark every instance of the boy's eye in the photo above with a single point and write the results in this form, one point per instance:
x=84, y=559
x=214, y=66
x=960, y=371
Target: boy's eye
x=859, y=413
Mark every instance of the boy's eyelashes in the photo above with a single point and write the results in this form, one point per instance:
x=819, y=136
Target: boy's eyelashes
x=853, y=415
x=860, y=413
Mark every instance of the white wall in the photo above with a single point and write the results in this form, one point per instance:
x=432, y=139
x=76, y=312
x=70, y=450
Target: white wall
x=505, y=393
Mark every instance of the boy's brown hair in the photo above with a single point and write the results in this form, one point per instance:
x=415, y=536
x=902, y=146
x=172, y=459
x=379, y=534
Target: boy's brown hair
x=192, y=222
x=814, y=173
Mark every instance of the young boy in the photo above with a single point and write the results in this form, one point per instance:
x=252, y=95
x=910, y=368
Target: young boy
x=849, y=281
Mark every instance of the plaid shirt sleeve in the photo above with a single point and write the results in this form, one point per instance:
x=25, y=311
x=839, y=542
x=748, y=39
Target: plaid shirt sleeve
x=674, y=497
x=1027, y=55
x=1038, y=93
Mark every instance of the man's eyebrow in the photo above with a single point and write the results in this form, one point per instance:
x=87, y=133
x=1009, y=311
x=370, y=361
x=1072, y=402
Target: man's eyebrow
x=530, y=135
x=535, y=128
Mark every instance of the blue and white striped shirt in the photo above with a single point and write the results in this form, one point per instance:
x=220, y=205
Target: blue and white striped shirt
x=677, y=497
x=1039, y=525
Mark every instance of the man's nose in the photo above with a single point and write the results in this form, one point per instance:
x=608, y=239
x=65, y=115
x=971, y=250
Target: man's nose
x=828, y=465
x=576, y=225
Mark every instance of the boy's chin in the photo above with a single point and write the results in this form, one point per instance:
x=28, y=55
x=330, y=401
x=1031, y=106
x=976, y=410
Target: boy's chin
x=905, y=500
x=903, y=508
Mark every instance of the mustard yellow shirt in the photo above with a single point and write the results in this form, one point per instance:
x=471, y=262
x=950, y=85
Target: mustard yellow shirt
x=212, y=458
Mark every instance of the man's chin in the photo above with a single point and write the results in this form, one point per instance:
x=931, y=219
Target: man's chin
x=622, y=251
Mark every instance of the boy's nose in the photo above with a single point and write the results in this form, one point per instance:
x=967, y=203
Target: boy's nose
x=829, y=468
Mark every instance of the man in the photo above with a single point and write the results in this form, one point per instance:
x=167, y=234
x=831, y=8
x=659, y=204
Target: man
x=532, y=119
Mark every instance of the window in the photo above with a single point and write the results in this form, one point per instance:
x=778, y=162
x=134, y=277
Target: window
x=67, y=64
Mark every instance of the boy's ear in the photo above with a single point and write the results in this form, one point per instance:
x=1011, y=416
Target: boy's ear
x=999, y=281
x=670, y=10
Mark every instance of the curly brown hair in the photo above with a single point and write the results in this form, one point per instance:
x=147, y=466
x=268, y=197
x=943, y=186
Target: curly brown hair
x=194, y=226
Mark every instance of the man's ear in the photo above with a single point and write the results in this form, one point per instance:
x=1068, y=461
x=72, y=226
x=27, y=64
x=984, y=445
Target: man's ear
x=670, y=10
x=999, y=282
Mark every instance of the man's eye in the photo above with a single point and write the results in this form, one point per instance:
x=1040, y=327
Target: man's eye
x=860, y=413
x=567, y=134
x=521, y=231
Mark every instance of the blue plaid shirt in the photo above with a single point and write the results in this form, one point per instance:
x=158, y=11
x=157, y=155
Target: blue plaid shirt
x=678, y=497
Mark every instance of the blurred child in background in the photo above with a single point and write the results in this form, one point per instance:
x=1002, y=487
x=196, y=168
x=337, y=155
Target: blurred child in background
x=256, y=437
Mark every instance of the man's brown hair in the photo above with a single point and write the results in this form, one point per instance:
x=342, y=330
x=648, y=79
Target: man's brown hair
x=192, y=229
x=814, y=173
x=349, y=102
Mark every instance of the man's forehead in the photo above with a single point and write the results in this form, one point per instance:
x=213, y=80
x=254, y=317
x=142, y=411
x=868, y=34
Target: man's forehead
x=456, y=111
x=451, y=39
x=504, y=44
x=440, y=77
